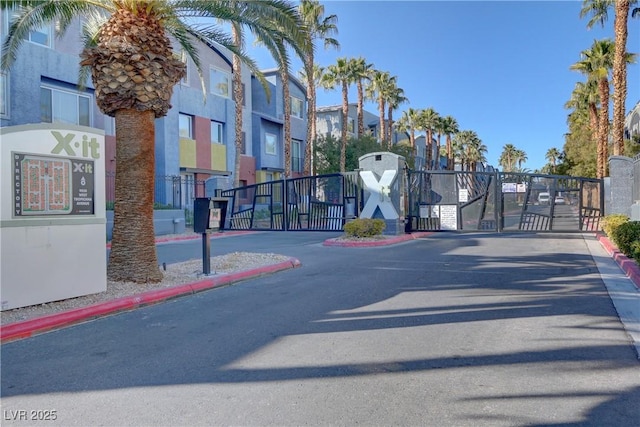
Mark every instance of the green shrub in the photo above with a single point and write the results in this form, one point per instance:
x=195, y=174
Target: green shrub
x=613, y=221
x=635, y=251
x=364, y=227
x=626, y=236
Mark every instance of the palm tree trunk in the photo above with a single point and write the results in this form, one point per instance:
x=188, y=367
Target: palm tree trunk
x=287, y=123
x=449, y=153
x=619, y=75
x=133, y=254
x=345, y=119
x=383, y=132
x=360, y=110
x=429, y=154
x=311, y=119
x=603, y=127
x=237, y=95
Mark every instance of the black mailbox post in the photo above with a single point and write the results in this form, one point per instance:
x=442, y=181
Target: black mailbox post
x=209, y=214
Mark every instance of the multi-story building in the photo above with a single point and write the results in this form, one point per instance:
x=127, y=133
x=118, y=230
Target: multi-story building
x=194, y=141
x=632, y=123
x=329, y=122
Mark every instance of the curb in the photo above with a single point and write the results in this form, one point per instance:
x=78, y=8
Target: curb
x=629, y=266
x=28, y=328
x=160, y=240
x=385, y=242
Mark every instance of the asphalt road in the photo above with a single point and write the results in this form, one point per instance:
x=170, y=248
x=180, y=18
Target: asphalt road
x=449, y=330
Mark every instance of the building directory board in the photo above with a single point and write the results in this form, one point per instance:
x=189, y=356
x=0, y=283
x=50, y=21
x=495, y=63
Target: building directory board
x=47, y=185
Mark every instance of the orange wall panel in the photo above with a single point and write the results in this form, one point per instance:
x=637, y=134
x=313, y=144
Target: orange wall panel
x=202, y=134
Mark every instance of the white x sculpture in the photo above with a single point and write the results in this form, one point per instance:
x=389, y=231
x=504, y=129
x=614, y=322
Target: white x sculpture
x=381, y=189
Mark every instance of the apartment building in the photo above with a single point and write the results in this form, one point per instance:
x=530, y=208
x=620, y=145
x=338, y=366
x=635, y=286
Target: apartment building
x=195, y=141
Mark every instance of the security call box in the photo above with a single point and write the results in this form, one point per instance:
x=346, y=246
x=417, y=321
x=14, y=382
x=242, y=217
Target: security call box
x=209, y=214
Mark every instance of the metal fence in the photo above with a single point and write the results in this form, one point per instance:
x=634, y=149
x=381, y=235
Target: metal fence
x=170, y=192
x=319, y=203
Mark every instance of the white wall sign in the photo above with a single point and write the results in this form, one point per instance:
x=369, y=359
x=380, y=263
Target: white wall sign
x=448, y=215
x=52, y=214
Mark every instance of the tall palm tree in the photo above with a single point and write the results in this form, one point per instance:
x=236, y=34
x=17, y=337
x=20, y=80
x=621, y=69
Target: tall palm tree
x=320, y=28
x=135, y=36
x=376, y=90
x=395, y=97
x=585, y=97
x=467, y=147
x=595, y=64
x=428, y=122
x=439, y=130
x=508, y=158
x=408, y=123
x=598, y=9
x=450, y=127
x=341, y=73
x=521, y=157
x=362, y=72
x=552, y=155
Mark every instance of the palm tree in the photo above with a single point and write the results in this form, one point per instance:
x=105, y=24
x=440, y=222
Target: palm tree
x=595, y=64
x=362, y=71
x=450, y=127
x=408, y=123
x=598, y=9
x=552, y=155
x=321, y=28
x=428, y=122
x=585, y=97
x=439, y=129
x=376, y=90
x=341, y=74
x=395, y=97
x=468, y=148
x=508, y=158
x=135, y=36
x=521, y=157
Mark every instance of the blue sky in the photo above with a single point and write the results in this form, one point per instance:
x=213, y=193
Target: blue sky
x=501, y=68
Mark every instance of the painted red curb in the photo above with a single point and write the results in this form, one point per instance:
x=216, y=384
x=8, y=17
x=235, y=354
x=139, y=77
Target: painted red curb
x=195, y=236
x=391, y=241
x=629, y=266
x=28, y=328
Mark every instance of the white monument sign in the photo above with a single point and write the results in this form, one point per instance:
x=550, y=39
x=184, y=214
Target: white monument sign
x=379, y=194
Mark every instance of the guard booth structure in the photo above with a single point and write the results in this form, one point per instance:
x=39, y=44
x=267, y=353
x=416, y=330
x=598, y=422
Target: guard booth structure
x=384, y=183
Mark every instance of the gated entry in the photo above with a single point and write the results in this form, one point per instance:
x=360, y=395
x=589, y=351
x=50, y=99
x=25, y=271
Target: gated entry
x=494, y=201
x=436, y=201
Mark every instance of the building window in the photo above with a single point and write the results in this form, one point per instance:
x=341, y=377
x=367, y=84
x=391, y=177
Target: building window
x=297, y=107
x=296, y=159
x=186, y=126
x=243, y=150
x=270, y=143
x=219, y=82
x=41, y=36
x=216, y=133
x=4, y=94
x=350, y=125
x=64, y=106
x=185, y=58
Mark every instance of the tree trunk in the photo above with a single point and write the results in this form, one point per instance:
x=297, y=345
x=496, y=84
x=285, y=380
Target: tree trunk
x=603, y=127
x=619, y=75
x=237, y=96
x=449, y=153
x=133, y=254
x=360, y=110
x=287, y=123
x=383, y=132
x=345, y=119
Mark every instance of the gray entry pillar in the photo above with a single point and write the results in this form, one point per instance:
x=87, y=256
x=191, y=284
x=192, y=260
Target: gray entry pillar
x=383, y=177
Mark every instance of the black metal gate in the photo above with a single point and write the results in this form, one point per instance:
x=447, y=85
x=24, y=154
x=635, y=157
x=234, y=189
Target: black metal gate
x=498, y=201
x=312, y=203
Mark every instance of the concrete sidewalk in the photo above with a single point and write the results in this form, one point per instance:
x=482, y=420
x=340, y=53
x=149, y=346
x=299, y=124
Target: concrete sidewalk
x=629, y=310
